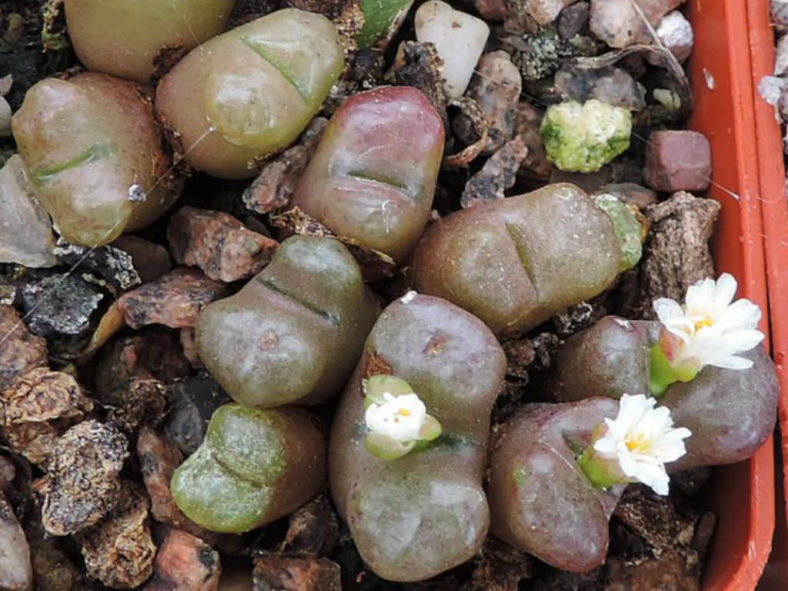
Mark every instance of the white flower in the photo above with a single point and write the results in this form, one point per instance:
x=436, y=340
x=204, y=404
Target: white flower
x=643, y=440
x=710, y=329
x=397, y=417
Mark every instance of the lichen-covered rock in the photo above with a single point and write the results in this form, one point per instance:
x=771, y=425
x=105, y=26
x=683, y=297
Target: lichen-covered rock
x=419, y=515
x=729, y=412
x=517, y=261
x=19, y=208
x=216, y=242
x=173, y=300
x=294, y=332
x=111, y=264
x=82, y=482
x=94, y=156
x=38, y=408
x=250, y=92
x=541, y=502
x=20, y=350
x=372, y=179
x=254, y=467
x=124, y=38
x=61, y=306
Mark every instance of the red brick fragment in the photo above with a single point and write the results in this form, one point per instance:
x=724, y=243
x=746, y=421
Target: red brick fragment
x=185, y=563
x=173, y=300
x=218, y=244
x=678, y=160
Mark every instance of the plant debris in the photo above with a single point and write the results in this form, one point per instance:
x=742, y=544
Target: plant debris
x=38, y=408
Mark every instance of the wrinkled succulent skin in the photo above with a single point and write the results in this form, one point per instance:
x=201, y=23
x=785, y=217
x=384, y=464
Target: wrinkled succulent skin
x=294, y=332
x=730, y=412
x=541, y=502
x=516, y=262
x=419, y=515
x=85, y=141
x=251, y=91
x=253, y=467
x=123, y=37
x=372, y=177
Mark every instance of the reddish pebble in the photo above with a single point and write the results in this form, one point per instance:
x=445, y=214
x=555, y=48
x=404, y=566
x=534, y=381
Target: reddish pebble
x=173, y=300
x=678, y=161
x=185, y=563
x=218, y=244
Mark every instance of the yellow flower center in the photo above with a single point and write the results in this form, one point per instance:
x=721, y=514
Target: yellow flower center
x=404, y=412
x=705, y=321
x=637, y=444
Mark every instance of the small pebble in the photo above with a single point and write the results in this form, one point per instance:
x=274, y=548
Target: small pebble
x=19, y=208
x=111, y=264
x=573, y=19
x=192, y=403
x=545, y=12
x=781, y=56
x=631, y=193
x=498, y=174
x=496, y=88
x=185, y=563
x=61, y=306
x=459, y=39
x=528, y=126
x=491, y=10
x=16, y=571
x=218, y=243
x=619, y=24
x=675, y=33
x=779, y=13
x=678, y=161
x=173, y=300
x=151, y=260
x=5, y=118
x=20, y=350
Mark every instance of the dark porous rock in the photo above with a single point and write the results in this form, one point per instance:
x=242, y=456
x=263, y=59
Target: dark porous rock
x=216, y=242
x=667, y=571
x=173, y=300
x=38, y=408
x=419, y=65
x=284, y=573
x=678, y=160
x=185, y=563
x=159, y=458
x=20, y=351
x=151, y=260
x=192, y=402
x=16, y=572
x=144, y=403
x=112, y=264
x=82, y=482
x=119, y=551
x=61, y=306
x=313, y=529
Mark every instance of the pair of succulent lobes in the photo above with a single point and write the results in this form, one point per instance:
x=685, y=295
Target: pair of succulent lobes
x=307, y=326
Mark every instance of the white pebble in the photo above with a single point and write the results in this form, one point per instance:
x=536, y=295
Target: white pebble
x=675, y=32
x=770, y=88
x=781, y=57
x=459, y=39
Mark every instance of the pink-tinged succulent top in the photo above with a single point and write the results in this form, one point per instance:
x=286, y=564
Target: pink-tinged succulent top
x=373, y=175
